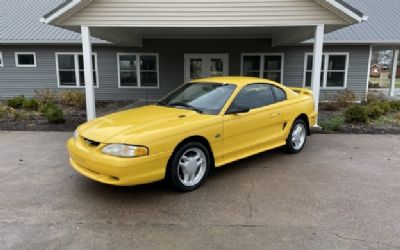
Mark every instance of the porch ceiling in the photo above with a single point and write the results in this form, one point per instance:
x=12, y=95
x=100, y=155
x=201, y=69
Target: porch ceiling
x=133, y=35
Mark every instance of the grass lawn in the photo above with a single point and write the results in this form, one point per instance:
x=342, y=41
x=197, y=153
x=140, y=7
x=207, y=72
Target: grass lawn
x=375, y=80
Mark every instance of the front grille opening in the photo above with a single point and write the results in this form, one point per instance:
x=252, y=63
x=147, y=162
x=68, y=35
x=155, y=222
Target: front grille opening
x=91, y=143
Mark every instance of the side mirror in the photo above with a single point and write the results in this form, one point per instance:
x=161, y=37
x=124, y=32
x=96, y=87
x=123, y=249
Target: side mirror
x=237, y=110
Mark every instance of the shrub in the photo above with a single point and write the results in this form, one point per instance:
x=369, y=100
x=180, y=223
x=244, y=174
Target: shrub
x=4, y=110
x=356, y=113
x=46, y=96
x=30, y=104
x=23, y=115
x=55, y=115
x=334, y=123
x=16, y=102
x=342, y=100
x=384, y=105
x=374, y=111
x=73, y=99
x=373, y=97
x=44, y=107
x=346, y=98
x=397, y=118
x=395, y=105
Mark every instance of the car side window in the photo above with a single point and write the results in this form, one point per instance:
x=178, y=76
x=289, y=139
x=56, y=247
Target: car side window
x=253, y=96
x=280, y=94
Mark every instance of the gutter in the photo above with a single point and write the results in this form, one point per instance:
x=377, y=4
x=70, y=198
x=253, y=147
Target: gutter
x=58, y=11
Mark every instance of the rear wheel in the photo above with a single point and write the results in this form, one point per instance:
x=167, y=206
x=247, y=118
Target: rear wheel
x=297, y=137
x=188, y=167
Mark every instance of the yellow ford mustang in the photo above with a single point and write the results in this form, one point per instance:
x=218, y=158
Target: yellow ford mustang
x=203, y=124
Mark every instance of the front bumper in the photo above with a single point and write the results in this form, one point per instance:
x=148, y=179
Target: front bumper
x=92, y=163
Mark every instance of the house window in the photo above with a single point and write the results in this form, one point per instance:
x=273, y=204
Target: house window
x=70, y=69
x=138, y=70
x=333, y=72
x=266, y=65
x=1, y=59
x=25, y=59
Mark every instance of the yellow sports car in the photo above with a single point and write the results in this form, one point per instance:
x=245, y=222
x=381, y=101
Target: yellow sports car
x=203, y=124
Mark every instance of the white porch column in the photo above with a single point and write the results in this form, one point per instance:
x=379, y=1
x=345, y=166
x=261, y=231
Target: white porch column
x=394, y=71
x=317, y=63
x=88, y=69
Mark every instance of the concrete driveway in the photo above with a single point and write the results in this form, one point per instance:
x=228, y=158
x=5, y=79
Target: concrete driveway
x=341, y=192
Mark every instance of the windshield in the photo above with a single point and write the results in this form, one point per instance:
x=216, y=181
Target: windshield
x=207, y=98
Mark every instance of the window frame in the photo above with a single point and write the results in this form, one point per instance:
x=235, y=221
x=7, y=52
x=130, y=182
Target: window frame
x=262, y=62
x=325, y=70
x=138, y=70
x=76, y=64
x=22, y=65
x=1, y=59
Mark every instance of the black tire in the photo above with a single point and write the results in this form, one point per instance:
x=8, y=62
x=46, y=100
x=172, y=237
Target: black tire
x=290, y=146
x=173, y=174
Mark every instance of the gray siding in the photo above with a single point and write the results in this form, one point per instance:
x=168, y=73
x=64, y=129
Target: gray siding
x=23, y=81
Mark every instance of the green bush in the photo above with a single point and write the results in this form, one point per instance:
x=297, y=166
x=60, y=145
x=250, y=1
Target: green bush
x=44, y=107
x=30, y=104
x=16, y=102
x=4, y=110
x=395, y=105
x=73, y=98
x=356, y=113
x=334, y=123
x=55, y=115
x=385, y=106
x=374, y=111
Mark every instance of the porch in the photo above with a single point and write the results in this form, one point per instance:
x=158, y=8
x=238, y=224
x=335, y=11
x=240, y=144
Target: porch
x=129, y=23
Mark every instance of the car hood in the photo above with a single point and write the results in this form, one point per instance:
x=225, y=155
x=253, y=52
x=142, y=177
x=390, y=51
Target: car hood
x=118, y=127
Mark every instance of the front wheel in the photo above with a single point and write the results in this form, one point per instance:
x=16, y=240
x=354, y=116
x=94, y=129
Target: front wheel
x=188, y=167
x=297, y=137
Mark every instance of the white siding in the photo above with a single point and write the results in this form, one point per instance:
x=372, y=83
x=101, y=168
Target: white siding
x=202, y=13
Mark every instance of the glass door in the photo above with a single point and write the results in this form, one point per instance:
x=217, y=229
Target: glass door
x=205, y=65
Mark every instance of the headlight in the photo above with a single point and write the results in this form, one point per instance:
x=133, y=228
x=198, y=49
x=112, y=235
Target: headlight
x=123, y=150
x=76, y=134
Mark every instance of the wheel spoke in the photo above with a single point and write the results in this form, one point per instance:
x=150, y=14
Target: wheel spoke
x=186, y=177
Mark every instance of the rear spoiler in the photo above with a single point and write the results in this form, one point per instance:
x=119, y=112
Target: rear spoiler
x=302, y=91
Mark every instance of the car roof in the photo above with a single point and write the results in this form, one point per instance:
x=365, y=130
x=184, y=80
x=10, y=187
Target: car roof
x=238, y=80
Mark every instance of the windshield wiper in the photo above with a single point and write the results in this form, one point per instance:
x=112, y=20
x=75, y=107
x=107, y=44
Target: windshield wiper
x=161, y=103
x=185, y=105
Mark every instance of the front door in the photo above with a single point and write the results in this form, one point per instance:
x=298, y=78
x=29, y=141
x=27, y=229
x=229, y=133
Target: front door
x=205, y=65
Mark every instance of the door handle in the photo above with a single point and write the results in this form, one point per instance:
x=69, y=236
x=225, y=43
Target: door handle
x=275, y=115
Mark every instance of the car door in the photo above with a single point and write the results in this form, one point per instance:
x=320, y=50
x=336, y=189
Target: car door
x=249, y=132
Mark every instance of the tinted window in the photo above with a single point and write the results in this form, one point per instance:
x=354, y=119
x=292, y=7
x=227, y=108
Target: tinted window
x=209, y=98
x=280, y=94
x=254, y=96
